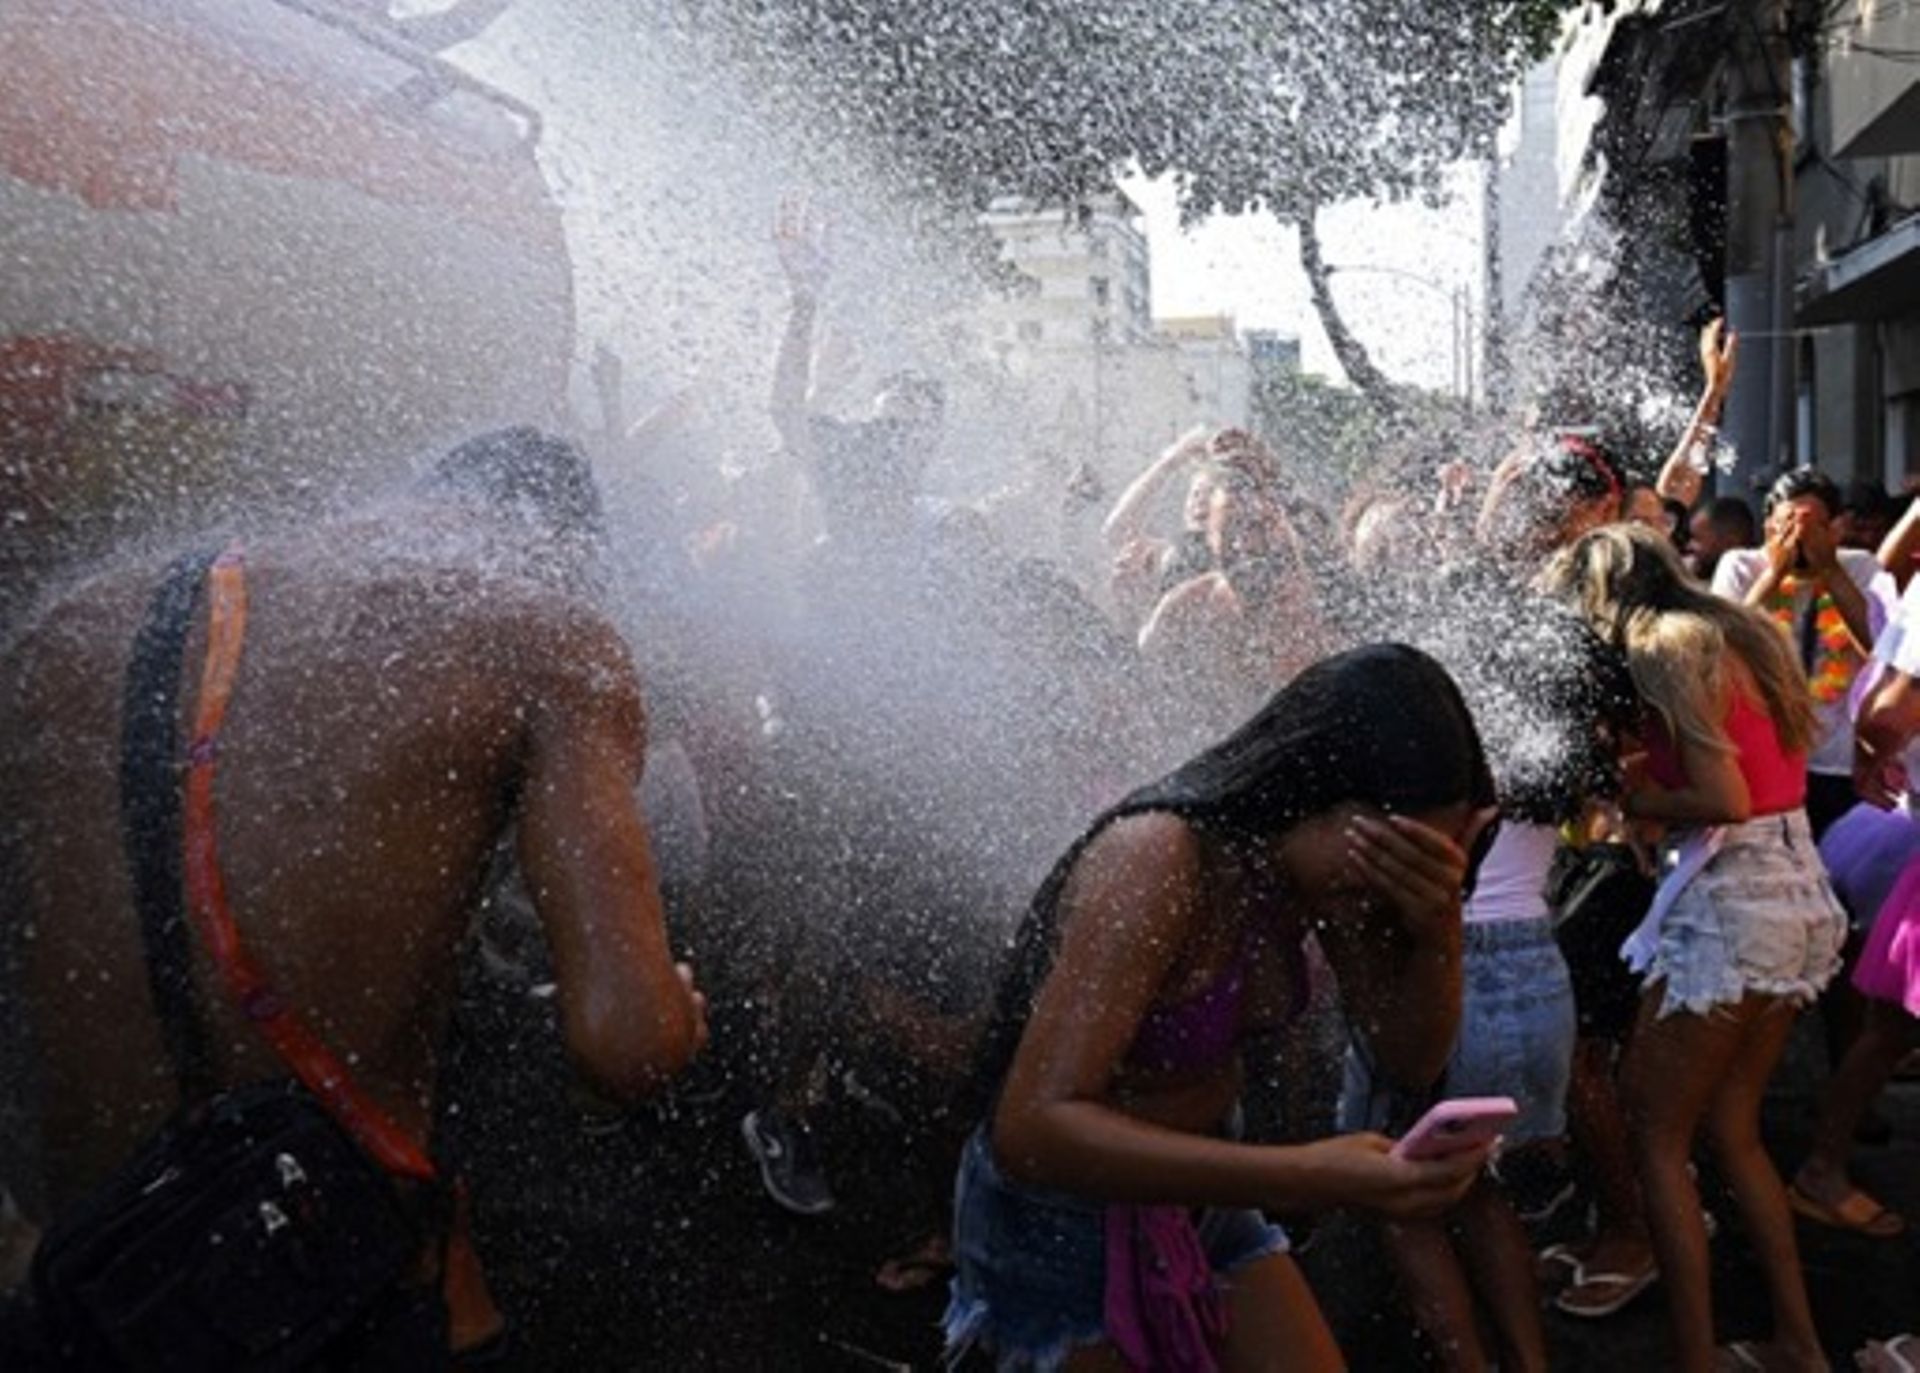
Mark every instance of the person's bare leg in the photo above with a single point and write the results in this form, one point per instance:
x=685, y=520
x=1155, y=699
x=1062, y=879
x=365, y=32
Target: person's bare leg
x=1886, y=1035
x=1599, y=1128
x=1499, y=1262
x=1673, y=1069
x=1438, y=1291
x=1275, y=1324
x=1842, y=1009
x=1733, y=1126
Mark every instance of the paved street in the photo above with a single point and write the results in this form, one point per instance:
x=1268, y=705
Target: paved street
x=647, y=1243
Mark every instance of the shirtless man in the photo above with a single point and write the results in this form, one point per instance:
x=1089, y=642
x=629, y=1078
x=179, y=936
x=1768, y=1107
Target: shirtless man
x=413, y=684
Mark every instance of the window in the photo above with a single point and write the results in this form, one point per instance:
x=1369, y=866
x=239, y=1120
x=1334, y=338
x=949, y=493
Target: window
x=1102, y=291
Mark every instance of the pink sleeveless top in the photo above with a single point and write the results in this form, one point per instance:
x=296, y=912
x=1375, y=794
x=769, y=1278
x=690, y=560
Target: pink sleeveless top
x=1776, y=778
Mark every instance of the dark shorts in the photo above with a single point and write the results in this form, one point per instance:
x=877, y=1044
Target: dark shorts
x=1606, y=993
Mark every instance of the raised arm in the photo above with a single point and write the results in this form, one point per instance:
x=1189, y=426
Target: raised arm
x=1896, y=551
x=1681, y=476
x=801, y=241
x=1126, y=522
x=1131, y=907
x=631, y=1018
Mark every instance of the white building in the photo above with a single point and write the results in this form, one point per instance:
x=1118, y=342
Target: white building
x=1106, y=383
x=1533, y=212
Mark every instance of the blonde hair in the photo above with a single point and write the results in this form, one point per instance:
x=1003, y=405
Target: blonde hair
x=1630, y=584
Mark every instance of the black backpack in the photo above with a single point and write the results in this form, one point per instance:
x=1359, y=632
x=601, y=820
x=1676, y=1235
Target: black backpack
x=252, y=1232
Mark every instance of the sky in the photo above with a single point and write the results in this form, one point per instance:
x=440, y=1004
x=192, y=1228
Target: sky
x=1248, y=266
x=1405, y=262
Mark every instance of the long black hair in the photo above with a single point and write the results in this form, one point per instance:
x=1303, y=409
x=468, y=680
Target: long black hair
x=1383, y=725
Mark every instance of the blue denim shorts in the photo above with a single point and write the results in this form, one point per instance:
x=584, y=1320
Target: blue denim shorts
x=1760, y=917
x=1030, y=1264
x=1517, y=1027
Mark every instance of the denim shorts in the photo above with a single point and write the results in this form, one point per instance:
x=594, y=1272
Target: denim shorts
x=1517, y=1027
x=1030, y=1264
x=1760, y=917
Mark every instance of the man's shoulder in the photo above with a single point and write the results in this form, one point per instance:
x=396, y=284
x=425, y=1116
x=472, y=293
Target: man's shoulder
x=542, y=629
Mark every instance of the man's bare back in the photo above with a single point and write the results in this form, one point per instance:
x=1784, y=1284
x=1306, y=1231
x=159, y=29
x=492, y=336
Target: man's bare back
x=407, y=691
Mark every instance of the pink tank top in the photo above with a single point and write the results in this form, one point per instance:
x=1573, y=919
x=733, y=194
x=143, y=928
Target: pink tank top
x=1776, y=779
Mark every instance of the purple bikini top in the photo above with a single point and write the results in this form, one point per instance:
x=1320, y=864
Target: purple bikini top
x=1202, y=1032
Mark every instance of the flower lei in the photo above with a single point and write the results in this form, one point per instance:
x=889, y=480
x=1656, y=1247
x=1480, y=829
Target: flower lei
x=1837, y=659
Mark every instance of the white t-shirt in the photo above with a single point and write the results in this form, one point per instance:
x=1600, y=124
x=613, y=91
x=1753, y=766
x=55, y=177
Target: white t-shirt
x=1512, y=884
x=1832, y=754
x=1898, y=649
x=1899, y=643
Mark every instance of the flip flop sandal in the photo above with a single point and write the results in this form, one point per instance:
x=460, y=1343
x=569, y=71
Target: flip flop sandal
x=1859, y=1213
x=1620, y=1289
x=1901, y=1353
x=918, y=1268
x=1558, y=1261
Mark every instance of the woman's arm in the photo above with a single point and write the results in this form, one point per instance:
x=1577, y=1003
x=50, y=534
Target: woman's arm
x=1887, y=724
x=1896, y=551
x=1131, y=908
x=1680, y=477
x=1126, y=522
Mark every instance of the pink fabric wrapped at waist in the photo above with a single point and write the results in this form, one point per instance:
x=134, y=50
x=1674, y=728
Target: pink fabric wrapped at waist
x=1164, y=1310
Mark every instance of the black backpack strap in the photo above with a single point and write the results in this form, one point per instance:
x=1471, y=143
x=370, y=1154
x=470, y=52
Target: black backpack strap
x=150, y=776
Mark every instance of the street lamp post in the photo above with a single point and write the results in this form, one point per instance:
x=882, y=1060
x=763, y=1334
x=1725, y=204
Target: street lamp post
x=1459, y=317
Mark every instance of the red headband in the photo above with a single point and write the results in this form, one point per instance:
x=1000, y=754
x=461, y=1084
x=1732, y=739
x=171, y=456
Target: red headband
x=1590, y=454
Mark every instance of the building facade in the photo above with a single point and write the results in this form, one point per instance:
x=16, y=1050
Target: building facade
x=1107, y=384
x=1857, y=246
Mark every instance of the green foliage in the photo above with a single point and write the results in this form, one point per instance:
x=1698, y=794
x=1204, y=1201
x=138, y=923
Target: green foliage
x=1333, y=438
x=1254, y=103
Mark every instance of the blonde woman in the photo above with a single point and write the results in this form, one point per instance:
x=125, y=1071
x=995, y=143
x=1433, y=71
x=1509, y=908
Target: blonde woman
x=1745, y=929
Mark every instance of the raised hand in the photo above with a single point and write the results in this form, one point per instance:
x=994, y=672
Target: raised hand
x=1419, y=871
x=1719, y=351
x=1817, y=545
x=800, y=236
x=1783, y=545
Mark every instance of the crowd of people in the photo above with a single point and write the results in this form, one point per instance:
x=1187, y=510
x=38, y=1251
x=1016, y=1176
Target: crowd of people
x=1579, y=788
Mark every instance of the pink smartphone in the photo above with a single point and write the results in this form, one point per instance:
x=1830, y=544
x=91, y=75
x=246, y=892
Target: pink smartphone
x=1455, y=1126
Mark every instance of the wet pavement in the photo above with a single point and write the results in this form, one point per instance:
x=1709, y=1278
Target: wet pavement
x=645, y=1241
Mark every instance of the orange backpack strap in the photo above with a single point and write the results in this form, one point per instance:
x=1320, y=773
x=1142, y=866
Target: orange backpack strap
x=317, y=1067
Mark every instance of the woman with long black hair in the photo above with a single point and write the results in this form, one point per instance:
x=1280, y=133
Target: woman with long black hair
x=1347, y=807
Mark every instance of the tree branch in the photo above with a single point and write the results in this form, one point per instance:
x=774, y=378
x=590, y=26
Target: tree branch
x=1372, y=383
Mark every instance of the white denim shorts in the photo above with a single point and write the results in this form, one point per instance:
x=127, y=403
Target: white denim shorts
x=1760, y=917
